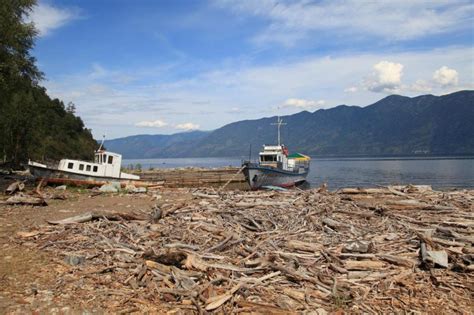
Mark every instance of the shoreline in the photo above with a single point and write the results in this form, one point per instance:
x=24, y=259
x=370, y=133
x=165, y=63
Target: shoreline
x=326, y=157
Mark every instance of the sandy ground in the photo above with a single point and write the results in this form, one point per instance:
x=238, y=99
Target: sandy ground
x=29, y=278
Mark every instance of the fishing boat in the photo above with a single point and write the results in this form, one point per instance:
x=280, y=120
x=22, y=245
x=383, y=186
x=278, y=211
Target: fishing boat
x=276, y=167
x=105, y=168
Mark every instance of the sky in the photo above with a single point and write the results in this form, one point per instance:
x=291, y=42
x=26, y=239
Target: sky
x=161, y=67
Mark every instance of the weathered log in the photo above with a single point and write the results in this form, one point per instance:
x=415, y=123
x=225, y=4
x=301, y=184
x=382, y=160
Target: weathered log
x=22, y=199
x=416, y=204
x=354, y=191
x=180, y=245
x=397, y=260
x=366, y=275
x=261, y=203
x=14, y=187
x=91, y=216
x=363, y=264
x=357, y=255
x=335, y=224
x=303, y=246
x=336, y=268
x=201, y=195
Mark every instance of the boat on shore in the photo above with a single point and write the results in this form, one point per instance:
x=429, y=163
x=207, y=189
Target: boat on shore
x=105, y=168
x=275, y=167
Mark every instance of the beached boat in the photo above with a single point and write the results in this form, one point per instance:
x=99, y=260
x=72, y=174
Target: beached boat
x=105, y=168
x=276, y=167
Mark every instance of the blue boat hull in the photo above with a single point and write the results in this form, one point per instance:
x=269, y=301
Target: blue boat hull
x=258, y=176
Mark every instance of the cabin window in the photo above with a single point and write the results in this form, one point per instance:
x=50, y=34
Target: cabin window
x=111, y=159
x=268, y=158
x=104, y=158
x=94, y=169
x=70, y=165
x=81, y=167
x=88, y=168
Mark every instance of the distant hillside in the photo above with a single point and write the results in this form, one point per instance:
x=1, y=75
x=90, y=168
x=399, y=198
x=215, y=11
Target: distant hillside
x=395, y=125
x=150, y=146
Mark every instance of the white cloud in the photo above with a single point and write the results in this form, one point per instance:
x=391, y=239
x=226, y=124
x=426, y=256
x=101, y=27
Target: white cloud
x=351, y=89
x=446, y=76
x=386, y=78
x=152, y=124
x=46, y=17
x=291, y=21
x=302, y=103
x=187, y=126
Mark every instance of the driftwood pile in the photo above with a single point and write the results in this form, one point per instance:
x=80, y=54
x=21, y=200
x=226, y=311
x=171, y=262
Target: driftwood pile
x=384, y=250
x=18, y=197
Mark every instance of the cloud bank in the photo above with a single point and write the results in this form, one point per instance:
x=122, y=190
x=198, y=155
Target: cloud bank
x=151, y=124
x=187, y=126
x=293, y=21
x=302, y=103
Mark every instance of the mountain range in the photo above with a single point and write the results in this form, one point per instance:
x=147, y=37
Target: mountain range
x=394, y=126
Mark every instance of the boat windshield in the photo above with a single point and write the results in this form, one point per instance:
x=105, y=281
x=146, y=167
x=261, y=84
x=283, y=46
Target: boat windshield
x=268, y=158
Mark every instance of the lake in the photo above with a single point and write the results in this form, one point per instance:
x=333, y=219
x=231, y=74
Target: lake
x=440, y=172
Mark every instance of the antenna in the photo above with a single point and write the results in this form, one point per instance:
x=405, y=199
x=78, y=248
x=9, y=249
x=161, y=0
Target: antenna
x=102, y=143
x=279, y=123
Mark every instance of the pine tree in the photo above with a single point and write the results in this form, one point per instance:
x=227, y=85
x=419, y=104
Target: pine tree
x=31, y=124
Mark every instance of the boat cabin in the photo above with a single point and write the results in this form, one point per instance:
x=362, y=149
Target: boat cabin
x=106, y=164
x=273, y=156
x=276, y=156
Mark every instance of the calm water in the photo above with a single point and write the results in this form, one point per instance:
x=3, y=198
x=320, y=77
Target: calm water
x=353, y=172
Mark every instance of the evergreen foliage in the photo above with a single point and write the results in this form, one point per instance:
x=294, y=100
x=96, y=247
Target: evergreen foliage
x=32, y=125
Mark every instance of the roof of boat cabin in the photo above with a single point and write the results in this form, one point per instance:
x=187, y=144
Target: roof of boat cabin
x=299, y=156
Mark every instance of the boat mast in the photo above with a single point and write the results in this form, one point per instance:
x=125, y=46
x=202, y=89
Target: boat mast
x=279, y=123
x=102, y=143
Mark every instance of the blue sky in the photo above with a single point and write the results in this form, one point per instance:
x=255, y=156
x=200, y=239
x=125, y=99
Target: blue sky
x=160, y=67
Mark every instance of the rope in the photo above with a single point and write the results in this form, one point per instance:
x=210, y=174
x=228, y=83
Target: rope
x=240, y=170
